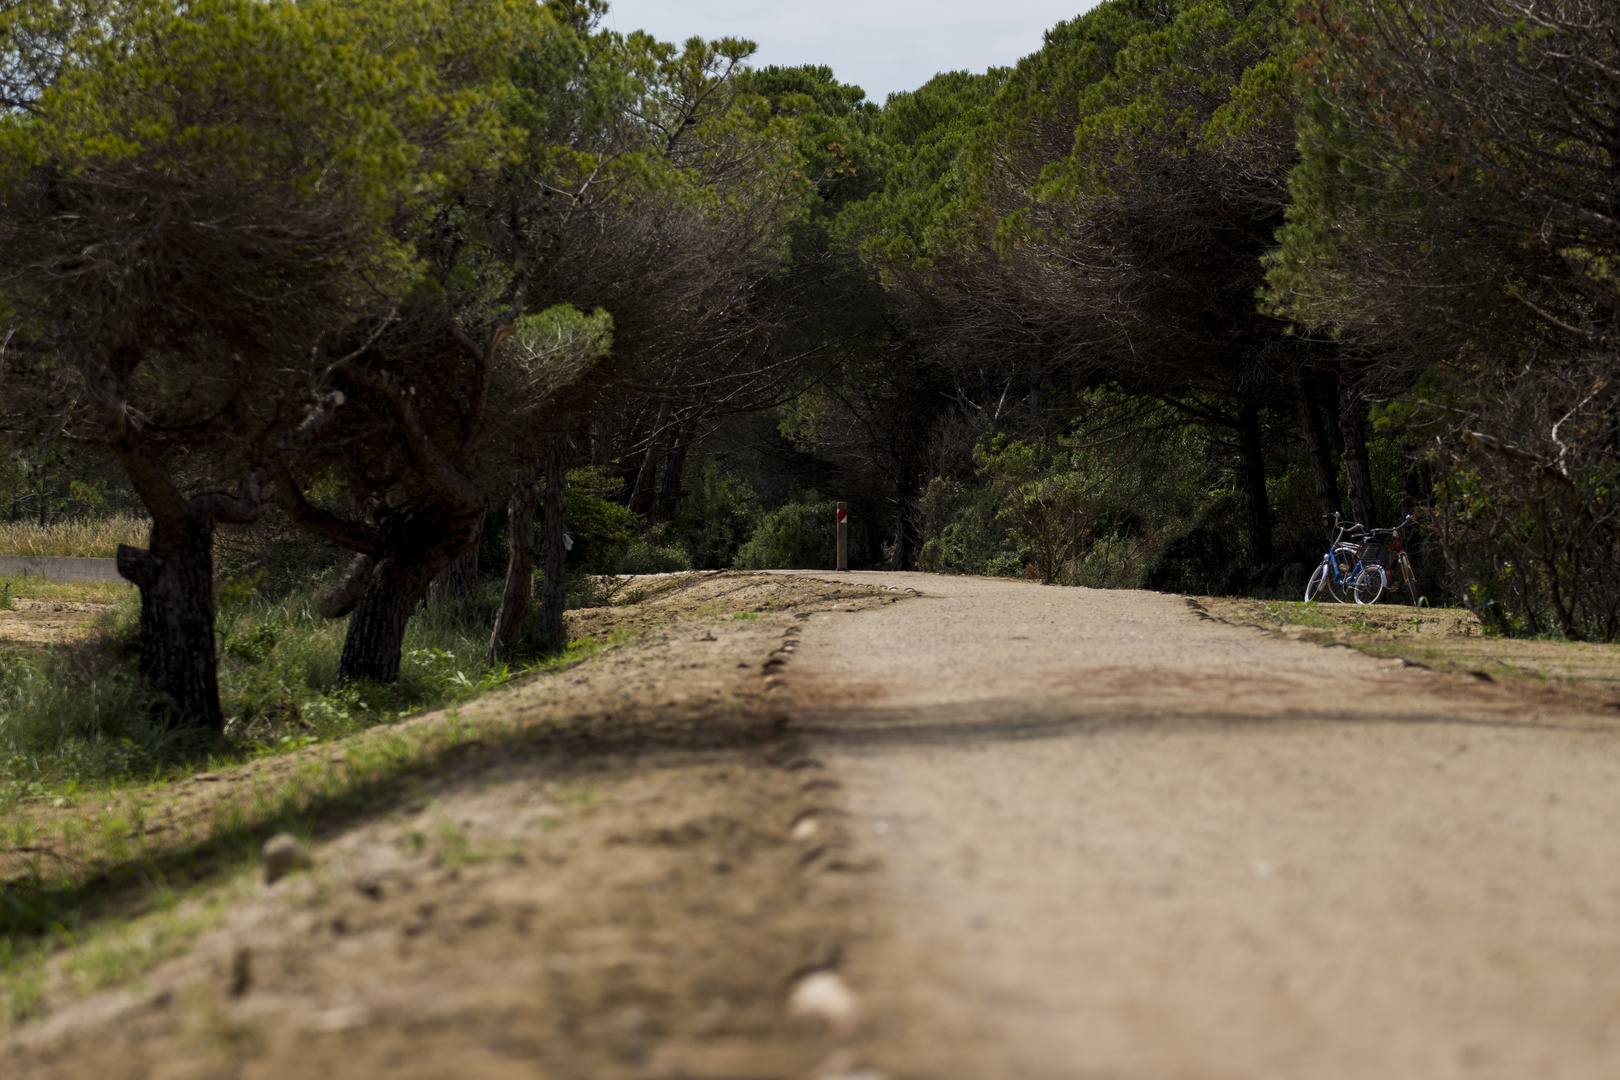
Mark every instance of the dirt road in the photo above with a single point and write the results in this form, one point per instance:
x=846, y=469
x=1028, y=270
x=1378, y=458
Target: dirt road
x=1118, y=839
x=1056, y=834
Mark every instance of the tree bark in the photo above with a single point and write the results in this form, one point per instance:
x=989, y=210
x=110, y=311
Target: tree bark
x=905, y=524
x=376, y=634
x=503, y=643
x=460, y=578
x=1252, y=482
x=641, y=491
x=553, y=628
x=669, y=488
x=175, y=576
x=1323, y=467
x=1417, y=491
x=386, y=594
x=1357, y=473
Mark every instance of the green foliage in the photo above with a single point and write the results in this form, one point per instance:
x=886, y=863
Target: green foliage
x=552, y=348
x=602, y=529
x=928, y=136
x=644, y=557
x=833, y=121
x=1205, y=557
x=79, y=711
x=715, y=517
x=964, y=531
x=1046, y=505
x=1092, y=508
x=803, y=535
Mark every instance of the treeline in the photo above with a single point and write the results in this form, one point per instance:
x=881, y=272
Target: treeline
x=1195, y=275
x=1139, y=310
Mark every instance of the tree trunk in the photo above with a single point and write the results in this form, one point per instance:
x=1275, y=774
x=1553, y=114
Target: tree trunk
x=390, y=591
x=553, y=628
x=1357, y=474
x=641, y=491
x=503, y=643
x=1252, y=482
x=669, y=488
x=873, y=540
x=1329, y=401
x=905, y=525
x=1417, y=491
x=1323, y=467
x=176, y=578
x=376, y=634
x=460, y=578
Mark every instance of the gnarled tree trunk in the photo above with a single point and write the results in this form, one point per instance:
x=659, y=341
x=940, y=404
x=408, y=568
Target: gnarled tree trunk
x=458, y=580
x=175, y=573
x=175, y=576
x=383, y=597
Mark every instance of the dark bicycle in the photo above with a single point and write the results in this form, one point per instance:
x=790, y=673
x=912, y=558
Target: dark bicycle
x=1345, y=573
x=1385, y=560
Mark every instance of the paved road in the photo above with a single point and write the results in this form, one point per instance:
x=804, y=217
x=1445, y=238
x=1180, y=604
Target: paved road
x=1149, y=845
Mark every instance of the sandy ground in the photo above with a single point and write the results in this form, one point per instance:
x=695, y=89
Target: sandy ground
x=1037, y=832
x=629, y=879
x=42, y=622
x=1148, y=844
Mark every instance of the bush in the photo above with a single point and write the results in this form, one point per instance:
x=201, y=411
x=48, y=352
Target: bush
x=799, y=536
x=642, y=557
x=602, y=530
x=962, y=532
x=715, y=517
x=1204, y=556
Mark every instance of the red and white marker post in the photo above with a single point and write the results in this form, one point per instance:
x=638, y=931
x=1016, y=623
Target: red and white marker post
x=843, y=536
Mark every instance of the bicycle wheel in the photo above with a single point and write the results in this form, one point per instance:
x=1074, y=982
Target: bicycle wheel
x=1344, y=569
x=1319, y=582
x=1368, y=584
x=1405, y=565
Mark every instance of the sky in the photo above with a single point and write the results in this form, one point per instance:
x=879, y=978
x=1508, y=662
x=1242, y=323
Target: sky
x=882, y=46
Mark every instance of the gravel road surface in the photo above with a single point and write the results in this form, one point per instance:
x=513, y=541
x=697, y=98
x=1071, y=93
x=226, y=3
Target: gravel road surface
x=1121, y=840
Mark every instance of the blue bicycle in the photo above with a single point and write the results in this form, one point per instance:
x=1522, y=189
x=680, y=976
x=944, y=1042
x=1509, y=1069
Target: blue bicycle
x=1346, y=572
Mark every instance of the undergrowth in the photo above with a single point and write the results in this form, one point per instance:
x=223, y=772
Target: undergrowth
x=88, y=538
x=13, y=586
x=76, y=715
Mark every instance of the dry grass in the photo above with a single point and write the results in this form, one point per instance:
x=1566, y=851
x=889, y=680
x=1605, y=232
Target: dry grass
x=89, y=539
x=26, y=587
x=1443, y=639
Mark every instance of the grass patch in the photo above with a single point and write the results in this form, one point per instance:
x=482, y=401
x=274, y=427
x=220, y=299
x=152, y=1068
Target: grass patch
x=90, y=538
x=1442, y=639
x=131, y=875
x=70, y=592
x=75, y=716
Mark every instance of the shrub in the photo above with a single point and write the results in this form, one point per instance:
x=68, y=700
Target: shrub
x=802, y=535
x=602, y=530
x=715, y=517
x=642, y=557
